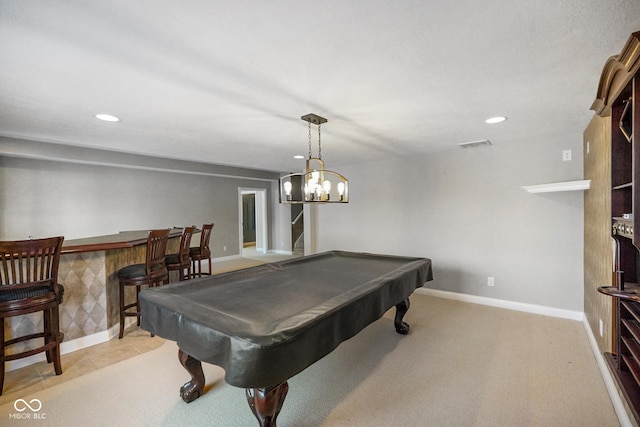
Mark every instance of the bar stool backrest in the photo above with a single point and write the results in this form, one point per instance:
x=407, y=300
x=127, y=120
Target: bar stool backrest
x=205, y=237
x=29, y=264
x=156, y=250
x=29, y=284
x=185, y=243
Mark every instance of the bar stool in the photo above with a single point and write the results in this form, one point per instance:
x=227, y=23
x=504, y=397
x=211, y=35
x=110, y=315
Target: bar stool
x=202, y=252
x=181, y=260
x=29, y=284
x=152, y=273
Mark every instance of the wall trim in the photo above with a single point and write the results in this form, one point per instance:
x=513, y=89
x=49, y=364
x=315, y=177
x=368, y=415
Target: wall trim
x=510, y=305
x=223, y=258
x=609, y=382
x=280, y=252
x=67, y=347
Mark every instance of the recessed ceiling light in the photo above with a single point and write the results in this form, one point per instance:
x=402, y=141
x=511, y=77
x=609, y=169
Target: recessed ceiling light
x=298, y=156
x=107, y=117
x=498, y=119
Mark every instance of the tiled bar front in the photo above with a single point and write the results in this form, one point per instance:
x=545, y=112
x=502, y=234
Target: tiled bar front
x=88, y=271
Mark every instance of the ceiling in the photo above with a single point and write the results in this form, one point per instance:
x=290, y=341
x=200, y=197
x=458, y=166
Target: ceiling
x=226, y=82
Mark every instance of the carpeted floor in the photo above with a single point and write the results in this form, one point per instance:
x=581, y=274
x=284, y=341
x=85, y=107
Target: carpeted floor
x=461, y=365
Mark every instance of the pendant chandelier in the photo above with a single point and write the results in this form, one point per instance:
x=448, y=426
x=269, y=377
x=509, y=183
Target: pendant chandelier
x=316, y=184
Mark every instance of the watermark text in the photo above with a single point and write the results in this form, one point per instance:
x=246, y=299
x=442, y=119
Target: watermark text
x=30, y=410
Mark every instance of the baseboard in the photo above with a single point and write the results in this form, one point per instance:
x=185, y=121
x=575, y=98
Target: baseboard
x=238, y=256
x=67, y=347
x=609, y=381
x=223, y=258
x=280, y=252
x=510, y=305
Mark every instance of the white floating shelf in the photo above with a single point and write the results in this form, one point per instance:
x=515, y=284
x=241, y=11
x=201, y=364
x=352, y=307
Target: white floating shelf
x=559, y=186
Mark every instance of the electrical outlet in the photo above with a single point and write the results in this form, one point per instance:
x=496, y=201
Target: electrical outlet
x=490, y=281
x=224, y=248
x=566, y=155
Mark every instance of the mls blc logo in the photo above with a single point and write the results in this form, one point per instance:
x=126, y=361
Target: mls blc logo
x=23, y=407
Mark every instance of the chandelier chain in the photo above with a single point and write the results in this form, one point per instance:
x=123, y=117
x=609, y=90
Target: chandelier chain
x=319, y=145
x=309, y=139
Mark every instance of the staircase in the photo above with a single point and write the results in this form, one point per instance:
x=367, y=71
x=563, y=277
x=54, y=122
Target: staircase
x=297, y=230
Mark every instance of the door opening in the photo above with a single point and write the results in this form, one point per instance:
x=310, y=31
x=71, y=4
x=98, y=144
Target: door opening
x=253, y=220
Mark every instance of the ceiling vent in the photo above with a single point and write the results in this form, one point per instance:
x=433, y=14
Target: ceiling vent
x=474, y=143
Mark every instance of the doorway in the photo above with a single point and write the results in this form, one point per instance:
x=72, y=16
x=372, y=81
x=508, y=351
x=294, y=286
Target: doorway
x=253, y=220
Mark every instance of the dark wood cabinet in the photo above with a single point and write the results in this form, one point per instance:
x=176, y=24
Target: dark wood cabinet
x=619, y=98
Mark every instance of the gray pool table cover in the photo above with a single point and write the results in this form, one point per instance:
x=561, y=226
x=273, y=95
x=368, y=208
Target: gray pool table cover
x=265, y=324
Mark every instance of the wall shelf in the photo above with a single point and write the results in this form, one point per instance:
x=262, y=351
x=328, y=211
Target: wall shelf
x=559, y=186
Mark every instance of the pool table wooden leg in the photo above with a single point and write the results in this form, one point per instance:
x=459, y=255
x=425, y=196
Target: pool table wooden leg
x=193, y=389
x=401, y=310
x=266, y=403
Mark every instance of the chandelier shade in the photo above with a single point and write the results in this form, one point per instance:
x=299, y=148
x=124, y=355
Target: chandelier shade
x=316, y=184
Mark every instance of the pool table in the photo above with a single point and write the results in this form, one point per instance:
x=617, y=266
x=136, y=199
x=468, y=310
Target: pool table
x=265, y=324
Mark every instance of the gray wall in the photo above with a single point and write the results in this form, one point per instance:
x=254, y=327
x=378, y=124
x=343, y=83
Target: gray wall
x=465, y=210
x=47, y=189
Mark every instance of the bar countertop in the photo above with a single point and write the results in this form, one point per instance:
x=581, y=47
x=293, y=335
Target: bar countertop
x=124, y=239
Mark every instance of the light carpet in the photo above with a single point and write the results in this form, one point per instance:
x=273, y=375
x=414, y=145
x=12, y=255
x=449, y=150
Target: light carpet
x=461, y=365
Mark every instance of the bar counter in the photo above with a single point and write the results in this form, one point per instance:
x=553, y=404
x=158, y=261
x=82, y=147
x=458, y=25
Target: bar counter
x=88, y=271
x=124, y=239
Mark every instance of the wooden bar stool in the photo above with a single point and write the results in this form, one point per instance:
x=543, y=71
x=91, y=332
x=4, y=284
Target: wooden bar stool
x=202, y=252
x=182, y=261
x=29, y=284
x=152, y=273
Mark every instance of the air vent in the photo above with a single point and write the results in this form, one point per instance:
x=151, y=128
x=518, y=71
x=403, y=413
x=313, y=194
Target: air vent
x=474, y=143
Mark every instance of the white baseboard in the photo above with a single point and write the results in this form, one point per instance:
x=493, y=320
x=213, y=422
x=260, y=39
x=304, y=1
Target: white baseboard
x=510, y=305
x=67, y=347
x=280, y=252
x=609, y=381
x=222, y=258
x=238, y=256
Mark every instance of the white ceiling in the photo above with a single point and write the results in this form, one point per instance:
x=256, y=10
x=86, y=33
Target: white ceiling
x=226, y=82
